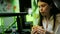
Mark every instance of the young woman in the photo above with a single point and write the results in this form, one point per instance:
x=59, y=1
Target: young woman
x=49, y=18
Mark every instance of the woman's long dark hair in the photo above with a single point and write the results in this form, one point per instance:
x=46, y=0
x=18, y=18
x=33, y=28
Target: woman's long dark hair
x=53, y=11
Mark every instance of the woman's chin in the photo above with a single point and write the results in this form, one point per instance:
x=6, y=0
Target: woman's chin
x=43, y=15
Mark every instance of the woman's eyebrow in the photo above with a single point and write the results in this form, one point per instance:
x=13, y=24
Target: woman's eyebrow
x=42, y=5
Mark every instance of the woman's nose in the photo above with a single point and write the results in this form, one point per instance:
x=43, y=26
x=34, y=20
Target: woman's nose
x=41, y=10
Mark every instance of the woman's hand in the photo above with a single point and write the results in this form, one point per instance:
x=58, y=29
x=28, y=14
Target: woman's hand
x=47, y=32
x=37, y=30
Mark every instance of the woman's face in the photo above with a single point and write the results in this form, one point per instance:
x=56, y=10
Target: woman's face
x=44, y=8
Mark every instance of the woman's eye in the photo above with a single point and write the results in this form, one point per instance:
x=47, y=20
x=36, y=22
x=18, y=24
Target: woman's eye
x=42, y=5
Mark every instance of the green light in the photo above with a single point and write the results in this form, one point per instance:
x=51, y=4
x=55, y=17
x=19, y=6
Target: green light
x=16, y=4
x=35, y=12
x=29, y=18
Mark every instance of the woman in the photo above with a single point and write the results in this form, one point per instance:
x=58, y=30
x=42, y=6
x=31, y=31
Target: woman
x=49, y=18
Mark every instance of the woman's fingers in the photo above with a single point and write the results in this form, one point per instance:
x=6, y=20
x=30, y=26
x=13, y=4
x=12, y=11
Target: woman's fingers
x=34, y=30
x=37, y=29
x=41, y=31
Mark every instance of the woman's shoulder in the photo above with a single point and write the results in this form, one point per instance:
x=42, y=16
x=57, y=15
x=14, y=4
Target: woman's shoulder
x=58, y=17
x=57, y=22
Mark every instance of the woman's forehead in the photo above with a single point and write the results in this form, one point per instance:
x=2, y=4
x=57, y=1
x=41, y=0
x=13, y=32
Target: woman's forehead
x=41, y=3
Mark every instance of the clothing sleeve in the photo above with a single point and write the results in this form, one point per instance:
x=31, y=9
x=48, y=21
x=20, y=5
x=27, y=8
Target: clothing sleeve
x=57, y=24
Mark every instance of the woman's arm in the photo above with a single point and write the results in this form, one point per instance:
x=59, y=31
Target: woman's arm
x=47, y=32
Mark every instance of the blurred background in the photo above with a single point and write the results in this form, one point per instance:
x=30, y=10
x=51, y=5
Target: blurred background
x=9, y=25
